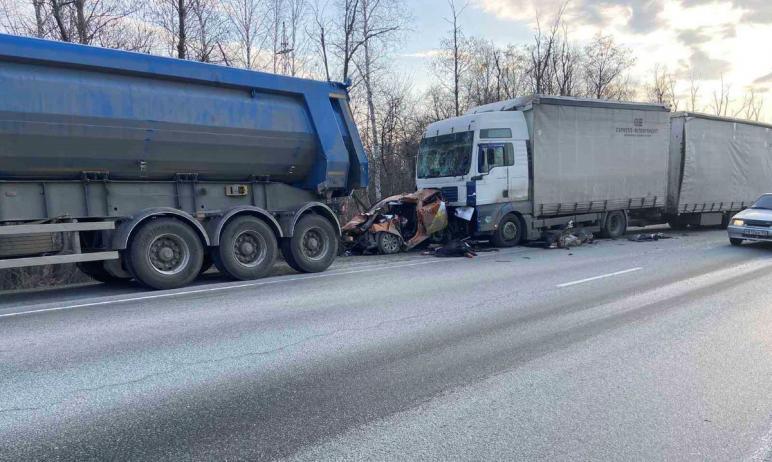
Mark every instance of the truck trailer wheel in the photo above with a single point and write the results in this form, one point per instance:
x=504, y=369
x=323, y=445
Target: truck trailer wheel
x=313, y=246
x=165, y=254
x=247, y=249
x=510, y=232
x=615, y=225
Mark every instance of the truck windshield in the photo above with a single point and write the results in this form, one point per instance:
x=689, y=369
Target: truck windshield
x=764, y=202
x=445, y=155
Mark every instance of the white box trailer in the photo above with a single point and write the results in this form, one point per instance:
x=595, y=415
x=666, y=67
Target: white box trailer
x=718, y=166
x=596, y=156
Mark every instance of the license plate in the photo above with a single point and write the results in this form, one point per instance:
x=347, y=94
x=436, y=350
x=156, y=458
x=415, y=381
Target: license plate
x=755, y=233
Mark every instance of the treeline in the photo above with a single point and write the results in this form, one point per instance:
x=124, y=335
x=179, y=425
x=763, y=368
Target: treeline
x=357, y=41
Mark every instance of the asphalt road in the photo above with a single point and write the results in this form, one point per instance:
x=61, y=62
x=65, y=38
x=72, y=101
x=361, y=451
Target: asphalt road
x=615, y=351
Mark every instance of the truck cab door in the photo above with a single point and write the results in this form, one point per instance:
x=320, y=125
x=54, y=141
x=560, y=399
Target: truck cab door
x=494, y=161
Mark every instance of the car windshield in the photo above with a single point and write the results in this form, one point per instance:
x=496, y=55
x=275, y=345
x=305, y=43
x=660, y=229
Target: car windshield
x=764, y=202
x=446, y=155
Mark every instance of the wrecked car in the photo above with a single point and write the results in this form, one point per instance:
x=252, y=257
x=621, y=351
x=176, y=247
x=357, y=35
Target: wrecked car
x=397, y=223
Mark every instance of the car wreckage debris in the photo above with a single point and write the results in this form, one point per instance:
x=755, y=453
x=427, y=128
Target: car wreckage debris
x=396, y=224
x=647, y=237
x=458, y=248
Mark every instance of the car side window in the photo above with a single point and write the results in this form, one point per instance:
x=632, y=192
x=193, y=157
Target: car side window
x=495, y=155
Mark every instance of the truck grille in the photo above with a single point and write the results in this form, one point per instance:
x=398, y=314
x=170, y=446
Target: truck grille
x=450, y=193
x=758, y=223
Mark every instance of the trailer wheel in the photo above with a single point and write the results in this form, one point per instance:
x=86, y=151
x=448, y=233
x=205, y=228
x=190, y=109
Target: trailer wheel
x=389, y=243
x=510, y=232
x=165, y=254
x=247, y=249
x=96, y=271
x=313, y=246
x=615, y=225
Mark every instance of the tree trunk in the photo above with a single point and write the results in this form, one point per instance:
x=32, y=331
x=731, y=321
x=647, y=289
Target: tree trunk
x=80, y=23
x=181, y=39
x=56, y=10
x=375, y=144
x=39, y=29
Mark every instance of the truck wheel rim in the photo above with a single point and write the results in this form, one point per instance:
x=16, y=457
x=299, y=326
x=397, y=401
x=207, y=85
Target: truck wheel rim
x=615, y=223
x=390, y=243
x=313, y=244
x=249, y=248
x=509, y=231
x=168, y=254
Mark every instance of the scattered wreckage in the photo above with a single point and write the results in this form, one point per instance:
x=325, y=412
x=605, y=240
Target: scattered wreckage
x=397, y=223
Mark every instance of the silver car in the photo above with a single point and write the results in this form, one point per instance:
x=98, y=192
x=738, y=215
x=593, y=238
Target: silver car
x=754, y=223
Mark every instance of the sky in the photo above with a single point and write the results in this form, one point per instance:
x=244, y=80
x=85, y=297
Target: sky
x=708, y=37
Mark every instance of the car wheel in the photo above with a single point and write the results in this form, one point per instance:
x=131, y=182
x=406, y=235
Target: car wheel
x=389, y=243
x=734, y=241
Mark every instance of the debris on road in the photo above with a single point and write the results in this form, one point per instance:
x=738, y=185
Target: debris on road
x=647, y=237
x=396, y=223
x=566, y=238
x=458, y=248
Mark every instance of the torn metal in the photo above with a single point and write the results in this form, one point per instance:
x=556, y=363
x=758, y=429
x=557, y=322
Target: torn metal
x=397, y=223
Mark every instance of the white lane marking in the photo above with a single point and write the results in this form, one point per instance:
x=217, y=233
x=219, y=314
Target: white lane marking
x=602, y=276
x=221, y=288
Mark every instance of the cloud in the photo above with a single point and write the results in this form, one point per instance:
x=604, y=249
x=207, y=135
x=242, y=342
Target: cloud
x=764, y=79
x=425, y=54
x=708, y=68
x=639, y=16
x=755, y=11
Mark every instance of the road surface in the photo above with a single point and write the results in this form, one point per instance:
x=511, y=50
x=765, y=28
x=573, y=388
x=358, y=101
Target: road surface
x=614, y=351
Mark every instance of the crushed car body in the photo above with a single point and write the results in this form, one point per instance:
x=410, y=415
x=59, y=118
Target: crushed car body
x=397, y=223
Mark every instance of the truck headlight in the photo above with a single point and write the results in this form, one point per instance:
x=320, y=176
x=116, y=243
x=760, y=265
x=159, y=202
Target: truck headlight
x=738, y=222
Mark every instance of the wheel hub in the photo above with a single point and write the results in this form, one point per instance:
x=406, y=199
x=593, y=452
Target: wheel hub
x=509, y=231
x=168, y=254
x=313, y=246
x=248, y=249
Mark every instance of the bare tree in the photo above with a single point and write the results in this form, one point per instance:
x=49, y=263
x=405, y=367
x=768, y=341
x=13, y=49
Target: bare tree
x=752, y=105
x=173, y=17
x=541, y=53
x=453, y=57
x=248, y=22
x=380, y=20
x=319, y=33
x=209, y=30
x=565, y=63
x=605, y=67
x=721, y=101
x=694, y=92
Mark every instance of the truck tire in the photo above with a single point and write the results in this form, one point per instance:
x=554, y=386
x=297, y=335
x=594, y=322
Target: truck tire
x=615, y=225
x=165, y=254
x=510, y=232
x=389, y=243
x=313, y=246
x=247, y=249
x=96, y=271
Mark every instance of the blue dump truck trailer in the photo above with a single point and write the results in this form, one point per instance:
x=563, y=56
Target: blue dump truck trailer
x=138, y=166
